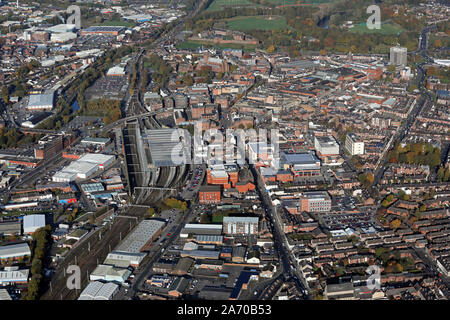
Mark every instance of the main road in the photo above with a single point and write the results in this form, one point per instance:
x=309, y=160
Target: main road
x=417, y=108
x=288, y=262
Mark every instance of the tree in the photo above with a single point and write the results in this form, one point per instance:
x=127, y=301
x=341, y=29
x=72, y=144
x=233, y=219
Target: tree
x=151, y=212
x=423, y=208
x=396, y=223
x=441, y=174
x=385, y=203
x=391, y=68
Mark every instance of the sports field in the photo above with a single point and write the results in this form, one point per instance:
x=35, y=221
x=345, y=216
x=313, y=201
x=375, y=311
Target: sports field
x=387, y=28
x=257, y=23
x=290, y=2
x=218, y=5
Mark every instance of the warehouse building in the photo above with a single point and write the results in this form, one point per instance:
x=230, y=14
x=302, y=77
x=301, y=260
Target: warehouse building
x=32, y=222
x=124, y=259
x=84, y=167
x=42, y=101
x=200, y=254
x=339, y=291
x=109, y=273
x=89, y=188
x=12, y=275
x=145, y=233
x=99, y=291
x=116, y=71
x=18, y=206
x=91, y=141
x=14, y=251
x=63, y=37
x=103, y=30
x=200, y=229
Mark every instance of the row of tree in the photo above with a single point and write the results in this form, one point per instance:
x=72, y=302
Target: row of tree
x=420, y=153
x=13, y=138
x=41, y=237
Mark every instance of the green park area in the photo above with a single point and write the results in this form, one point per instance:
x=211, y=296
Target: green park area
x=257, y=23
x=386, y=29
x=291, y=2
x=218, y=5
x=115, y=23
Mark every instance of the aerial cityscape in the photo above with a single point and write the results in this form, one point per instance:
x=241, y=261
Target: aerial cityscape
x=243, y=150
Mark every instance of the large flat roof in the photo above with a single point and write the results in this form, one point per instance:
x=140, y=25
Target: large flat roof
x=14, y=250
x=140, y=236
x=33, y=221
x=203, y=226
x=299, y=158
x=97, y=158
x=168, y=147
x=240, y=219
x=41, y=100
x=105, y=29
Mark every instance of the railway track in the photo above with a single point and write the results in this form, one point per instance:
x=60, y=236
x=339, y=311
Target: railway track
x=87, y=256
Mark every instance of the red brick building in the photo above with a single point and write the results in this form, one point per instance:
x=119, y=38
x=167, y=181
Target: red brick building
x=209, y=194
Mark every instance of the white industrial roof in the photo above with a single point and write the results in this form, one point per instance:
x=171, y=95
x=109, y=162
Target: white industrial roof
x=80, y=167
x=14, y=250
x=116, y=70
x=61, y=175
x=98, y=291
x=41, y=100
x=240, y=219
x=96, y=158
x=106, y=291
x=91, y=291
x=32, y=222
x=140, y=236
x=203, y=226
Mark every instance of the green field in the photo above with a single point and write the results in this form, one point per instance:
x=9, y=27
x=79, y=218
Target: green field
x=114, y=23
x=289, y=2
x=386, y=29
x=257, y=23
x=218, y=5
